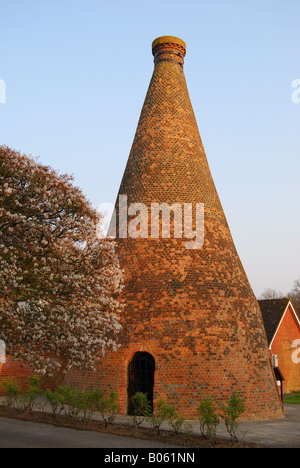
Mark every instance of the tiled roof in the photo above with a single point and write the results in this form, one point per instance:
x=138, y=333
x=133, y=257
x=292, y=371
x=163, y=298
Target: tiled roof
x=272, y=311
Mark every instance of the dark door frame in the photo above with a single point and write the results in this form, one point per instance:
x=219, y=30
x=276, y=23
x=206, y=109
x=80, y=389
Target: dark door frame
x=141, y=371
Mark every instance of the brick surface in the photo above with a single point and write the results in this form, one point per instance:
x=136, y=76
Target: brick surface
x=16, y=369
x=192, y=310
x=282, y=347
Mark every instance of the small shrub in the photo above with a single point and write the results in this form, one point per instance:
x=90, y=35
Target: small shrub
x=53, y=398
x=178, y=424
x=209, y=419
x=33, y=390
x=12, y=391
x=70, y=401
x=161, y=413
x=62, y=396
x=96, y=396
x=107, y=406
x=22, y=399
x=141, y=407
x=231, y=413
x=86, y=406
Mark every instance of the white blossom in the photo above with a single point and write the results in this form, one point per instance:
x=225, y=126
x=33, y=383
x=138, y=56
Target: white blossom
x=53, y=261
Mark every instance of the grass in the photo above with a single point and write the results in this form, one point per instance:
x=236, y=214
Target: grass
x=292, y=398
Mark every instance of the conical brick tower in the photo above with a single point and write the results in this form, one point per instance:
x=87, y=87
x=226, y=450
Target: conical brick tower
x=191, y=324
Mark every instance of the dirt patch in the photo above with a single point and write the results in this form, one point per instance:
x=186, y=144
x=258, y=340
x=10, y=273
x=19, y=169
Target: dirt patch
x=192, y=441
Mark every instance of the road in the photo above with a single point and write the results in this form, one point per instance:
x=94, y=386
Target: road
x=15, y=433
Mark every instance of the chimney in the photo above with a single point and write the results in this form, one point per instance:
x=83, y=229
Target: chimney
x=168, y=49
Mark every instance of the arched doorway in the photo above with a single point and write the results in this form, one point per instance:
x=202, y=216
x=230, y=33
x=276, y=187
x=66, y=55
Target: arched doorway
x=140, y=377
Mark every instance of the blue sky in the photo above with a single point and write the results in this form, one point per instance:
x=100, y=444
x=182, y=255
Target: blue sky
x=76, y=75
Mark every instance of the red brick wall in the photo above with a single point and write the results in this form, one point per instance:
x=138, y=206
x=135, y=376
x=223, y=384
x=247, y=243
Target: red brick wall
x=22, y=371
x=282, y=346
x=184, y=378
x=13, y=368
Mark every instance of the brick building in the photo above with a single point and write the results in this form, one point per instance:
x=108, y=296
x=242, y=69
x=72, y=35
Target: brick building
x=283, y=333
x=10, y=367
x=192, y=326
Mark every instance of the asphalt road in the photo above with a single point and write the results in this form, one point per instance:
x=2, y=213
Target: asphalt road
x=23, y=434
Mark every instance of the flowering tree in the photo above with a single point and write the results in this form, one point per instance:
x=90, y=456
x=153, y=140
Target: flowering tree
x=59, y=277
